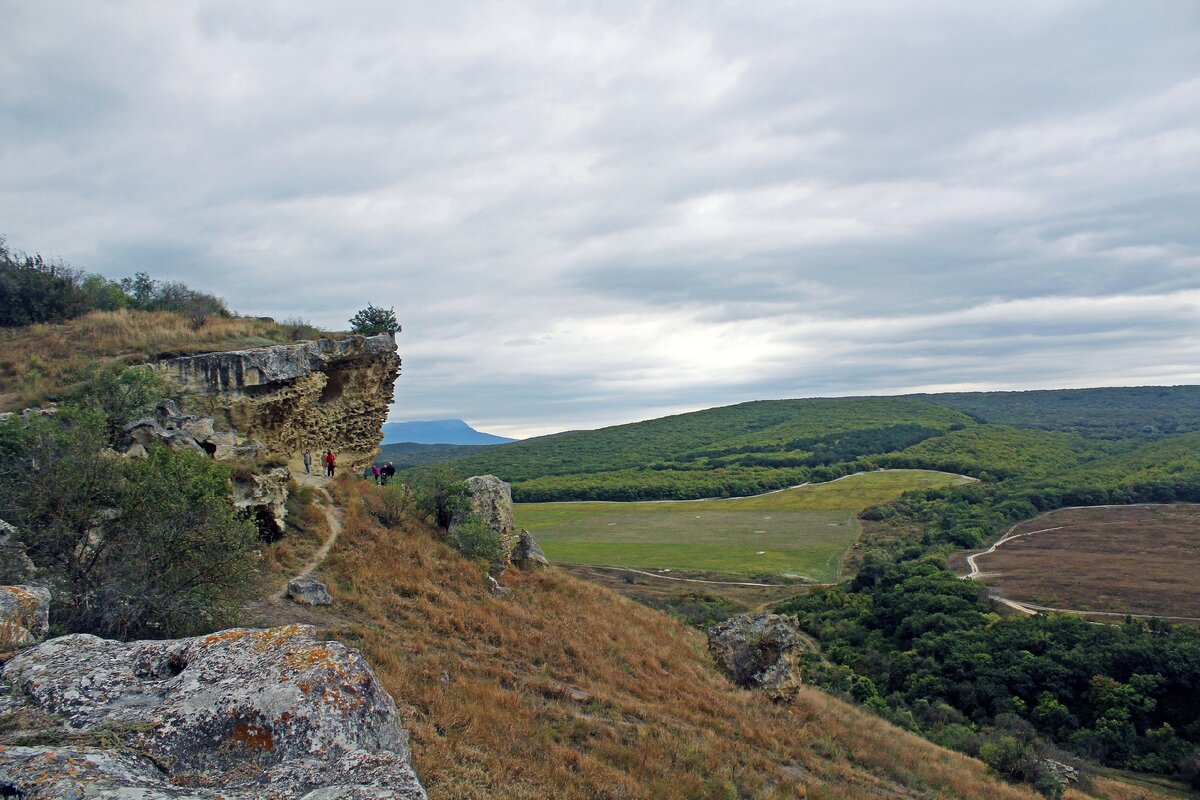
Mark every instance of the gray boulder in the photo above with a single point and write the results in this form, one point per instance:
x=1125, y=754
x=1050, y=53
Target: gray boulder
x=761, y=651
x=495, y=588
x=15, y=564
x=24, y=615
x=528, y=554
x=491, y=498
x=308, y=591
x=242, y=714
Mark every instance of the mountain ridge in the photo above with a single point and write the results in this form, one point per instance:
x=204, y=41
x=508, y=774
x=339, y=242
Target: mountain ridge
x=438, y=431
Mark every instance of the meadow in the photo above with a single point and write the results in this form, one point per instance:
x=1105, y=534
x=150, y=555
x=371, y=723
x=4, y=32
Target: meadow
x=794, y=533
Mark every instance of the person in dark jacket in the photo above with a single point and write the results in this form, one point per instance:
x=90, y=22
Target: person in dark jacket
x=387, y=472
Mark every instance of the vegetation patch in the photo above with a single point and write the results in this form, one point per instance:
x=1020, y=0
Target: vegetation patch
x=799, y=532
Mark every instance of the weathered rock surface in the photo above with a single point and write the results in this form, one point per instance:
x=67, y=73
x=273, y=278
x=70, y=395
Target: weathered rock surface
x=308, y=591
x=184, y=432
x=528, y=554
x=24, y=615
x=15, y=563
x=495, y=588
x=241, y=714
x=265, y=495
x=323, y=394
x=761, y=651
x=491, y=498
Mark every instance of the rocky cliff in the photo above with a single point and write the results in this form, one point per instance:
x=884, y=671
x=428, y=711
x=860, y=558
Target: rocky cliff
x=323, y=394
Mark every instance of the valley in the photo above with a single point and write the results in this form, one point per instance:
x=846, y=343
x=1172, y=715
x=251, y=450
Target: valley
x=797, y=534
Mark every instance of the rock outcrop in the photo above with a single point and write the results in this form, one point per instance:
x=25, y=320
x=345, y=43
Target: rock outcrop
x=15, y=564
x=491, y=499
x=308, y=591
x=24, y=616
x=187, y=432
x=761, y=651
x=323, y=394
x=263, y=495
x=528, y=553
x=241, y=715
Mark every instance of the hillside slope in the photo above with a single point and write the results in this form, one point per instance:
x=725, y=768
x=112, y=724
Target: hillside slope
x=567, y=690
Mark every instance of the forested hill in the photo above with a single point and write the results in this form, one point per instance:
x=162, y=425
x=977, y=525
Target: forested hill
x=758, y=446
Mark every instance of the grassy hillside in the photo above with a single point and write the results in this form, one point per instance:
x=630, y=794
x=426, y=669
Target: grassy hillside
x=1149, y=411
x=796, y=533
x=406, y=455
x=39, y=363
x=567, y=690
x=732, y=451
x=755, y=447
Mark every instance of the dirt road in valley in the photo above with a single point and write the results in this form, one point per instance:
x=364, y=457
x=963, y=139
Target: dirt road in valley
x=1131, y=560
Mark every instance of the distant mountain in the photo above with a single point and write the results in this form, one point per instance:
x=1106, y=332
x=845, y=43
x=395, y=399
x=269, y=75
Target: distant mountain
x=438, y=431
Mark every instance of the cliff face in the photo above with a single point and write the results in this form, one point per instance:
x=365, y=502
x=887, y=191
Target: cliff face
x=324, y=394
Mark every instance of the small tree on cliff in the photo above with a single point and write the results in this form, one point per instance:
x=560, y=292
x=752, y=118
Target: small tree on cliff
x=374, y=320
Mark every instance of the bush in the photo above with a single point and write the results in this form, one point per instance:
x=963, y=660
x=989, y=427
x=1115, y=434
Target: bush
x=374, y=320
x=441, y=493
x=390, y=504
x=33, y=289
x=120, y=394
x=150, y=548
x=474, y=539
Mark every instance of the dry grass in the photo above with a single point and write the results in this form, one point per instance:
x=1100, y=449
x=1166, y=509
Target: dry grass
x=39, y=362
x=567, y=690
x=306, y=530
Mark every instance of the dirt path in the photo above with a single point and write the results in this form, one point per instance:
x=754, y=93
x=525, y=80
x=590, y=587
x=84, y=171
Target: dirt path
x=1032, y=608
x=335, y=527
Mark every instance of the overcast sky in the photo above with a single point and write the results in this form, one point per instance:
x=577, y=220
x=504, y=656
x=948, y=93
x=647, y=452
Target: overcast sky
x=587, y=214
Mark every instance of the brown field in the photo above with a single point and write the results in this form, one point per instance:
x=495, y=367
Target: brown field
x=1128, y=559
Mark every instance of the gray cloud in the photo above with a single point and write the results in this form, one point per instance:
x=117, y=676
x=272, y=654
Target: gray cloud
x=594, y=213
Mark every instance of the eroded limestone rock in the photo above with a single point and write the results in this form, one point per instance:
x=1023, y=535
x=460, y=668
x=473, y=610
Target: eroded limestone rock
x=323, y=394
x=491, y=498
x=184, y=432
x=528, y=554
x=761, y=651
x=24, y=615
x=264, y=495
x=308, y=591
x=241, y=714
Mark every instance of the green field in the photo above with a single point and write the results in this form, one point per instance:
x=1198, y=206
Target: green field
x=800, y=532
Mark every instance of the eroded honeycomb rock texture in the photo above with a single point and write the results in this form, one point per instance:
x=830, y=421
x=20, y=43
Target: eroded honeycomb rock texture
x=241, y=714
x=324, y=394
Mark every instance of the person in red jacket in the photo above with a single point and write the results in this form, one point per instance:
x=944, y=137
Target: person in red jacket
x=330, y=463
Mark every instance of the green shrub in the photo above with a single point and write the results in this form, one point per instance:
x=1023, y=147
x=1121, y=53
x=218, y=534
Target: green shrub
x=148, y=548
x=474, y=539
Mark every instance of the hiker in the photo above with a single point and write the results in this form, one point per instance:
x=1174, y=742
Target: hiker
x=307, y=461
x=375, y=472
x=330, y=463
x=388, y=471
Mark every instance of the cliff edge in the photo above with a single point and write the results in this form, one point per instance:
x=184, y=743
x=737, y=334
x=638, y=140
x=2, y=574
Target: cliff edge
x=321, y=394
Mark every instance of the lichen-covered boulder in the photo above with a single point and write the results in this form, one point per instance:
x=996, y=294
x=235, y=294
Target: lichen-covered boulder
x=491, y=498
x=761, y=651
x=242, y=714
x=528, y=554
x=308, y=591
x=24, y=616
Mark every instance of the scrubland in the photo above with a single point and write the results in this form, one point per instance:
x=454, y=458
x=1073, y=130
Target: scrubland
x=567, y=690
